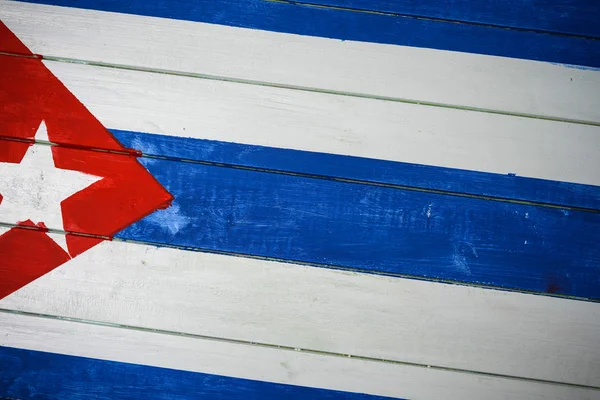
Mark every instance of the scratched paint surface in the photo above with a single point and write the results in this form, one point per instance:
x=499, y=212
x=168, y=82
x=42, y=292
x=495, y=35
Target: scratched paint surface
x=367, y=170
x=24, y=370
x=400, y=73
x=346, y=25
x=406, y=250
x=276, y=208
x=64, y=188
x=574, y=17
x=301, y=120
x=374, y=228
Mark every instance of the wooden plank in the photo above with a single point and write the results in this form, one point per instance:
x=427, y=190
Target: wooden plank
x=316, y=221
x=60, y=376
x=569, y=17
x=368, y=27
x=26, y=78
x=398, y=72
x=317, y=309
x=327, y=223
x=266, y=116
x=372, y=228
x=365, y=170
x=260, y=363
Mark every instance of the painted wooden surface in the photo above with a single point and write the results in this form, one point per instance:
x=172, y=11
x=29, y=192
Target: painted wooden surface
x=396, y=72
x=260, y=147
x=507, y=187
x=251, y=114
x=317, y=221
x=571, y=17
x=109, y=379
x=423, y=323
x=370, y=228
x=369, y=27
x=286, y=366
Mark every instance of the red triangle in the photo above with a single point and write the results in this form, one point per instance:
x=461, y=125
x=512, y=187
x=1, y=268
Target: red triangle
x=10, y=43
x=16, y=270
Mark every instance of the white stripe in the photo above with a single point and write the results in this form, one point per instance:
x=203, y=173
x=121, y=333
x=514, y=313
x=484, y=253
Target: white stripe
x=267, y=364
x=319, y=309
x=462, y=79
x=251, y=114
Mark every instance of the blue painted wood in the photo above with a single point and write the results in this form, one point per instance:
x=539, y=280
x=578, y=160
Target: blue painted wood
x=570, y=17
x=360, y=26
x=365, y=169
x=375, y=229
x=32, y=375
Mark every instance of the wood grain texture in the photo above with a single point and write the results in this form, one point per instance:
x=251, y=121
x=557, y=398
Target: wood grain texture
x=376, y=229
x=323, y=222
x=267, y=116
x=59, y=188
x=409, y=73
x=26, y=373
x=124, y=192
x=252, y=362
x=570, y=17
x=365, y=170
x=20, y=265
x=368, y=27
x=273, y=303
x=243, y=317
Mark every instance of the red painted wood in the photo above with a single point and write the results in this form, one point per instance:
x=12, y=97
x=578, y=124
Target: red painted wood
x=16, y=269
x=30, y=94
x=9, y=43
x=126, y=194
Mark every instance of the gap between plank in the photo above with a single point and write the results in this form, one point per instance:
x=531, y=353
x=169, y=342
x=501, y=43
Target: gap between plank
x=300, y=88
x=135, y=153
x=290, y=348
x=299, y=262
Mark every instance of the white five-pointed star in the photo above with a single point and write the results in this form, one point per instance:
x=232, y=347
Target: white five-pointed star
x=35, y=188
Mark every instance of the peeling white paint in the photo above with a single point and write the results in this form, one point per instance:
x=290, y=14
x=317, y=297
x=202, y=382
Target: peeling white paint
x=171, y=219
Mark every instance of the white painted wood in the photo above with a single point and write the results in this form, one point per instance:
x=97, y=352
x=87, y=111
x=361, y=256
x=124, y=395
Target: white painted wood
x=250, y=114
x=326, y=310
x=462, y=79
x=267, y=364
x=34, y=188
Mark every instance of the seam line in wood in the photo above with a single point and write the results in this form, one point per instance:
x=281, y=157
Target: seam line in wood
x=299, y=262
x=304, y=88
x=55, y=231
x=440, y=192
x=432, y=19
x=289, y=348
x=124, y=152
x=378, y=184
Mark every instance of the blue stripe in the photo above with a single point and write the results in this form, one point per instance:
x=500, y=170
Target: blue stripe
x=375, y=229
x=574, y=17
x=26, y=374
x=360, y=26
x=367, y=170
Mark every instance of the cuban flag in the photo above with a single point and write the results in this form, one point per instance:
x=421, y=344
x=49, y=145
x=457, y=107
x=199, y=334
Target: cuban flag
x=333, y=199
